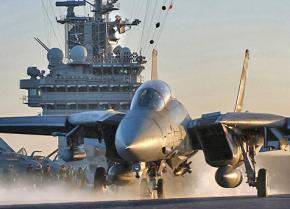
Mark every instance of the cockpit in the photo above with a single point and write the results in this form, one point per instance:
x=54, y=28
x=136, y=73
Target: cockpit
x=152, y=95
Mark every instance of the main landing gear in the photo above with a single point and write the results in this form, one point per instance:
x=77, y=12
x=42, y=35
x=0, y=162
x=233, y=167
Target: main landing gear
x=261, y=181
x=151, y=185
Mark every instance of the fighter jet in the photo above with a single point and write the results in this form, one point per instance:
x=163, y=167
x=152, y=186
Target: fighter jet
x=157, y=133
x=17, y=161
x=46, y=161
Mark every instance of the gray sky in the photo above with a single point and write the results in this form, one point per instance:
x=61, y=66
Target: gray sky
x=200, y=53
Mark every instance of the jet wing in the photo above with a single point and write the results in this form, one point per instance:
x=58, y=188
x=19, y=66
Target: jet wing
x=48, y=125
x=34, y=125
x=241, y=120
x=216, y=125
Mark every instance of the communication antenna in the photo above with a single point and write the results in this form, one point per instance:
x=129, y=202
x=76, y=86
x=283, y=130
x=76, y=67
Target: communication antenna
x=41, y=43
x=243, y=80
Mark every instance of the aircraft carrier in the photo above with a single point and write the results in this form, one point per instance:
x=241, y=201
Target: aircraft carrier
x=94, y=72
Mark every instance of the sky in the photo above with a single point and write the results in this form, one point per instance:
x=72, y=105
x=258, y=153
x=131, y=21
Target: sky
x=201, y=53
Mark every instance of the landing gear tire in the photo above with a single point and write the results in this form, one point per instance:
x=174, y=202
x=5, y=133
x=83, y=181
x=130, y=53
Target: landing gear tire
x=99, y=186
x=151, y=190
x=160, y=191
x=262, y=183
x=100, y=180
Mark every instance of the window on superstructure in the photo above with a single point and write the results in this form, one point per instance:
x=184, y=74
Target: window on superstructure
x=93, y=106
x=34, y=92
x=61, y=106
x=116, y=72
x=104, y=88
x=96, y=72
x=72, y=106
x=115, y=88
x=107, y=72
x=124, y=106
x=60, y=89
x=82, y=106
x=50, y=89
x=104, y=106
x=83, y=88
x=124, y=71
x=72, y=89
x=93, y=88
x=124, y=88
x=50, y=106
x=113, y=106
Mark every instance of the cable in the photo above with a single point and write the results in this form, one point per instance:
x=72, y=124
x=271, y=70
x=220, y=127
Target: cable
x=46, y=12
x=152, y=34
x=154, y=12
x=164, y=23
x=157, y=32
x=144, y=25
x=52, y=9
x=134, y=5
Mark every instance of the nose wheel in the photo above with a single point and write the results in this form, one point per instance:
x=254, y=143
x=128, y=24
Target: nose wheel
x=160, y=193
x=152, y=189
x=151, y=185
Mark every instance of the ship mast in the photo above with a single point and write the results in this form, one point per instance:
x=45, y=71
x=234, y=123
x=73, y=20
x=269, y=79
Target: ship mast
x=94, y=73
x=97, y=33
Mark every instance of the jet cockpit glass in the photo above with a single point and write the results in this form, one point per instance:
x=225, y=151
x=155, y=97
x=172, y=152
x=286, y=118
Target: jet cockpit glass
x=153, y=95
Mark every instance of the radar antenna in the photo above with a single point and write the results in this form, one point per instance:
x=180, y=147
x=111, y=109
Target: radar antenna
x=41, y=43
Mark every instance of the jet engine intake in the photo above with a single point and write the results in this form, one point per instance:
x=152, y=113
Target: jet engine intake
x=228, y=177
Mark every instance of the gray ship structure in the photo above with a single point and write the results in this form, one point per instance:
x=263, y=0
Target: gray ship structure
x=94, y=72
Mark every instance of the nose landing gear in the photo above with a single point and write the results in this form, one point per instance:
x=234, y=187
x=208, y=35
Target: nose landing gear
x=151, y=189
x=151, y=185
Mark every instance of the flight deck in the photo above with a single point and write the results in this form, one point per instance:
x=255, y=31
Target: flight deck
x=281, y=202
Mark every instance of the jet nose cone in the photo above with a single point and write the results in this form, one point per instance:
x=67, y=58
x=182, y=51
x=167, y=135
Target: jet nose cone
x=139, y=140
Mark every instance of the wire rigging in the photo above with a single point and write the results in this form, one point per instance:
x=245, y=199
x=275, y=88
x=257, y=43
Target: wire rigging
x=164, y=23
x=57, y=27
x=152, y=34
x=159, y=25
x=134, y=6
x=144, y=25
x=154, y=12
x=50, y=22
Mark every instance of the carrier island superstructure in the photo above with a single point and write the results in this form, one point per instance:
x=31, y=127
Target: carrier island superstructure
x=94, y=72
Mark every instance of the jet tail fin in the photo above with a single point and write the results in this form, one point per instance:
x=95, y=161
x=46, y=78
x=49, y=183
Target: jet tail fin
x=154, y=70
x=242, y=87
x=4, y=147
